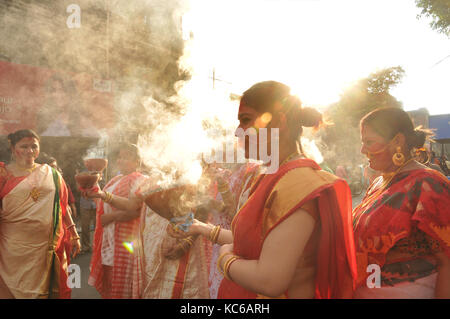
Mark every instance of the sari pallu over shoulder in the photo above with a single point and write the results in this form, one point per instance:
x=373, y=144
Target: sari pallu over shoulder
x=335, y=259
x=42, y=216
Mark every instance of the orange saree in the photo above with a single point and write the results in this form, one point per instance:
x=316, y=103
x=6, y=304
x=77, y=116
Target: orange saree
x=335, y=262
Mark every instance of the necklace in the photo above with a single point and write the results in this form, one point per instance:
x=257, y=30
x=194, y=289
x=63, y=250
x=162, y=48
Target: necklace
x=294, y=154
x=387, y=178
x=29, y=170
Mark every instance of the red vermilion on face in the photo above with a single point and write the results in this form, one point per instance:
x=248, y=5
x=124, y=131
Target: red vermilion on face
x=26, y=151
x=376, y=148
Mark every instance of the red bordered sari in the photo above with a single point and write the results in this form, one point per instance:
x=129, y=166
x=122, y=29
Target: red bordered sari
x=32, y=240
x=163, y=278
x=125, y=276
x=335, y=256
x=401, y=227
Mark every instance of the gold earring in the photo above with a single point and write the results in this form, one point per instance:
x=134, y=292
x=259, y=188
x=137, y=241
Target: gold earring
x=398, y=158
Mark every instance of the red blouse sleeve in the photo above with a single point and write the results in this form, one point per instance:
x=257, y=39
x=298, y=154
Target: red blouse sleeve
x=432, y=211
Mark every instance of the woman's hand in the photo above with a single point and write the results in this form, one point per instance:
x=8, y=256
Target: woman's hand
x=227, y=248
x=197, y=228
x=94, y=192
x=175, y=252
x=76, y=247
x=172, y=248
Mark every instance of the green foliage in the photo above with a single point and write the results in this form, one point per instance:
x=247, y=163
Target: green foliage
x=439, y=11
x=369, y=93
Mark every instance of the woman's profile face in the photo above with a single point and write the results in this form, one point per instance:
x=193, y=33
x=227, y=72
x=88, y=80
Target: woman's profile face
x=250, y=118
x=376, y=148
x=26, y=150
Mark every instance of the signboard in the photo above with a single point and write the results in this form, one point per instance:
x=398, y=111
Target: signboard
x=441, y=124
x=54, y=103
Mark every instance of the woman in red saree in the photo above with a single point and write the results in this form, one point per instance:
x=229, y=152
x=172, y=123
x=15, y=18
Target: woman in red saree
x=114, y=269
x=402, y=226
x=292, y=238
x=229, y=190
x=33, y=223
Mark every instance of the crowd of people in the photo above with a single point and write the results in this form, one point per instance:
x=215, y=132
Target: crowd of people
x=290, y=234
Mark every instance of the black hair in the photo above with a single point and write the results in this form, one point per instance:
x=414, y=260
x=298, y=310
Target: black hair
x=15, y=137
x=388, y=122
x=266, y=96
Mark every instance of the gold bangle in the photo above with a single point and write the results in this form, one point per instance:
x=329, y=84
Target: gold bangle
x=216, y=235
x=213, y=233
x=219, y=260
x=75, y=238
x=186, y=243
x=108, y=197
x=70, y=226
x=226, y=267
x=189, y=241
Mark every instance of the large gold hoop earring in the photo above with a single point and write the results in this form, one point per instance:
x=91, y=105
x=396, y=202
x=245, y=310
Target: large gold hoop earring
x=398, y=158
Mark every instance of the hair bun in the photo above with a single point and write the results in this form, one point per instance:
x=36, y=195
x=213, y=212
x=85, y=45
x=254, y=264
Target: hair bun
x=420, y=136
x=310, y=117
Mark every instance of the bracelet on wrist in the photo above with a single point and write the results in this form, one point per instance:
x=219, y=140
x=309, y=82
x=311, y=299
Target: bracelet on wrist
x=219, y=261
x=214, y=234
x=226, y=267
x=108, y=197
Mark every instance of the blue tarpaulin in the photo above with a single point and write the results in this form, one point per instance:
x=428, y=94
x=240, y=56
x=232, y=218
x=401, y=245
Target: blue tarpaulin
x=441, y=124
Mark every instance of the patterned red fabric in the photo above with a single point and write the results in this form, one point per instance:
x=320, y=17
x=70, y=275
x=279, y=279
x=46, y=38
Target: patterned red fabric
x=414, y=202
x=336, y=259
x=124, y=261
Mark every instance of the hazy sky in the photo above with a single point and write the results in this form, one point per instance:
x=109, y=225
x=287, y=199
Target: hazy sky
x=320, y=46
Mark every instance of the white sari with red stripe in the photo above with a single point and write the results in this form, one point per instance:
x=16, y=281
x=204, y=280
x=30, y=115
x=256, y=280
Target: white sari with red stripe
x=125, y=273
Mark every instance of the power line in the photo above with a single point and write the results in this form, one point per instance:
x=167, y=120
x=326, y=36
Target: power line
x=448, y=56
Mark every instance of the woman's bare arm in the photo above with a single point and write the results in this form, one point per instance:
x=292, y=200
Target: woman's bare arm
x=282, y=248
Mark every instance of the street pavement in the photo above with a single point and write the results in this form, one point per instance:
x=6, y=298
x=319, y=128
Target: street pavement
x=85, y=291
